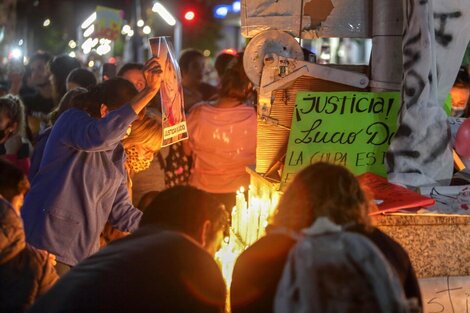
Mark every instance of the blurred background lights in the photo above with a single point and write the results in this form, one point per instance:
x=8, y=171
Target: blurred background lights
x=89, y=31
x=229, y=51
x=164, y=14
x=104, y=41
x=146, y=30
x=86, y=45
x=221, y=11
x=72, y=44
x=91, y=63
x=189, y=16
x=207, y=53
x=89, y=21
x=140, y=23
x=20, y=42
x=236, y=7
x=94, y=42
x=46, y=22
x=125, y=29
x=16, y=53
x=103, y=49
x=72, y=54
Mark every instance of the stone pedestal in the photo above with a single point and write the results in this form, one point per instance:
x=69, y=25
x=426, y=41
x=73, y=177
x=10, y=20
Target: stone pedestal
x=438, y=245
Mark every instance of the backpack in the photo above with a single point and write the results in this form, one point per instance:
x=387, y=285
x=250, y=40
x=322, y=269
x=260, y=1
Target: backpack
x=330, y=270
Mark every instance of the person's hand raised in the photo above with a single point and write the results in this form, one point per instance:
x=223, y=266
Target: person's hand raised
x=153, y=77
x=153, y=74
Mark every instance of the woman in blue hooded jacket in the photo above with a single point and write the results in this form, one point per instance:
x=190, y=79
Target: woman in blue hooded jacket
x=81, y=181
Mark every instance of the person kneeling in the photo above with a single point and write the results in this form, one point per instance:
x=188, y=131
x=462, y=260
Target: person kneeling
x=167, y=265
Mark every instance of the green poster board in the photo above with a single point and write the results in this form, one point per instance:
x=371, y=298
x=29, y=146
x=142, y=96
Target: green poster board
x=349, y=128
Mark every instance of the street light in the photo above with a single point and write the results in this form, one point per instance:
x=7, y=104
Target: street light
x=89, y=20
x=164, y=14
x=189, y=16
x=170, y=20
x=89, y=31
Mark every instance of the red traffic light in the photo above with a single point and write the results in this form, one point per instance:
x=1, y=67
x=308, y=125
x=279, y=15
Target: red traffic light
x=189, y=15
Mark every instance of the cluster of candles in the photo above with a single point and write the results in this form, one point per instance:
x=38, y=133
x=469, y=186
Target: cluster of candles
x=249, y=221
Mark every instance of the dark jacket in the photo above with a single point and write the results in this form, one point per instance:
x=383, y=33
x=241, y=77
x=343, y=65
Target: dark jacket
x=38, y=152
x=81, y=184
x=25, y=273
x=151, y=270
x=259, y=269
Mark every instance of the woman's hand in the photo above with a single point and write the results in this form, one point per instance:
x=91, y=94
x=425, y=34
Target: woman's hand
x=153, y=74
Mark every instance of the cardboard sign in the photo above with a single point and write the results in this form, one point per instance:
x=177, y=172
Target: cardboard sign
x=171, y=92
x=353, y=129
x=391, y=197
x=446, y=294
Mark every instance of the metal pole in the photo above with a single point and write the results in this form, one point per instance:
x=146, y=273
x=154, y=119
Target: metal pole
x=178, y=37
x=386, y=57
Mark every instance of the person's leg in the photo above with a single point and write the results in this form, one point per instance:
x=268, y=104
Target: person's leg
x=62, y=268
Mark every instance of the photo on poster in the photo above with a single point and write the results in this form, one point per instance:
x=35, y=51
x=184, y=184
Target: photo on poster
x=171, y=92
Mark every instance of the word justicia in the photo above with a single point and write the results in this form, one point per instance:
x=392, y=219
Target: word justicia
x=334, y=104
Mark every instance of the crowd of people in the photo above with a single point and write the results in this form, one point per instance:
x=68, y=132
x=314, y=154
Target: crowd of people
x=97, y=216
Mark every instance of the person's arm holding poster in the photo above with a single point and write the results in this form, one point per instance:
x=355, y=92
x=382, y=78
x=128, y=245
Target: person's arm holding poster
x=91, y=134
x=152, y=73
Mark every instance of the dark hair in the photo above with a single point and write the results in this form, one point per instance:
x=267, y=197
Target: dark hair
x=129, y=67
x=147, y=199
x=187, y=56
x=13, y=181
x=322, y=189
x=66, y=103
x=222, y=61
x=82, y=77
x=234, y=83
x=13, y=108
x=40, y=55
x=60, y=66
x=114, y=93
x=185, y=209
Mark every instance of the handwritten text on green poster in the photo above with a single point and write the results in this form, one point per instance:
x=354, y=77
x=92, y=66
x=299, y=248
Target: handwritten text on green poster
x=349, y=128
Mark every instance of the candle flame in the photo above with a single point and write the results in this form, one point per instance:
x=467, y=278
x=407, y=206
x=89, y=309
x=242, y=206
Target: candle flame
x=249, y=221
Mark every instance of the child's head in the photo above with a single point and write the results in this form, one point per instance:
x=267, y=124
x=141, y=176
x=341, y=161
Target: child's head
x=12, y=118
x=144, y=140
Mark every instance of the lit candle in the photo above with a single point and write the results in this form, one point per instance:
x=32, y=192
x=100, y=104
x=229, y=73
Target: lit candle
x=239, y=204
